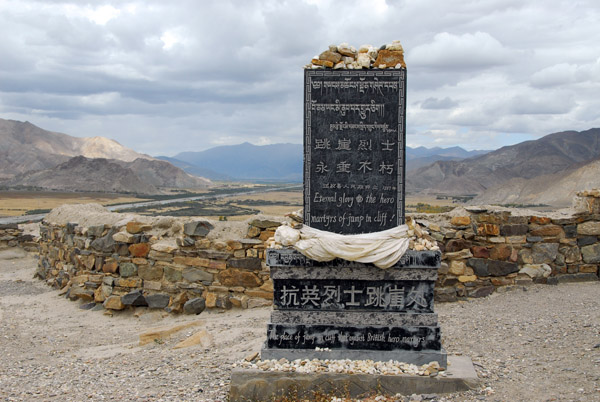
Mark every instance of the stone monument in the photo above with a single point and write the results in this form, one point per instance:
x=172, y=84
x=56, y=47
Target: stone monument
x=354, y=150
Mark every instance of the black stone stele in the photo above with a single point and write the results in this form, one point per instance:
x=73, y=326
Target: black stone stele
x=354, y=149
x=354, y=162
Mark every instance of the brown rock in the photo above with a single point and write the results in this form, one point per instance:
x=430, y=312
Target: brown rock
x=177, y=302
x=139, y=249
x=216, y=264
x=202, y=338
x=110, y=267
x=500, y=252
x=163, y=333
x=235, y=277
x=467, y=278
x=500, y=281
x=589, y=228
x=150, y=272
x=192, y=261
x=113, y=303
x=211, y=300
x=457, y=245
x=546, y=230
x=234, y=245
x=588, y=268
x=390, y=58
x=460, y=221
x=324, y=63
x=457, y=268
x=134, y=227
x=259, y=293
x=253, y=231
x=266, y=234
x=488, y=229
x=129, y=282
x=333, y=57
x=540, y=220
x=480, y=252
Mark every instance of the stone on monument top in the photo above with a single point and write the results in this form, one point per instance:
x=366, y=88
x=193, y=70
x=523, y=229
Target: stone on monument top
x=345, y=56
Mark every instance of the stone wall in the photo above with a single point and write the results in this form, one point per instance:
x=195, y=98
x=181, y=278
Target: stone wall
x=493, y=249
x=185, y=265
x=12, y=235
x=131, y=263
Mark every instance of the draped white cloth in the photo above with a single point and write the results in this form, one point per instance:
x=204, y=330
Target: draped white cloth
x=383, y=249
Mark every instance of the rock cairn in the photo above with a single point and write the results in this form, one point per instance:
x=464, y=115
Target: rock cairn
x=344, y=56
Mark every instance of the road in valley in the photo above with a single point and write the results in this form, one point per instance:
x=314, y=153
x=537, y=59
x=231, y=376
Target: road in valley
x=39, y=217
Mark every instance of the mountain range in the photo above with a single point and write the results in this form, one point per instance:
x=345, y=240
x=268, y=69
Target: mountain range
x=548, y=170
x=520, y=172
x=31, y=157
x=282, y=162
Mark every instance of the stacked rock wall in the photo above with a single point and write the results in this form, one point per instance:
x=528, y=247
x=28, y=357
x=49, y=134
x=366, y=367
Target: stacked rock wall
x=490, y=249
x=11, y=235
x=130, y=262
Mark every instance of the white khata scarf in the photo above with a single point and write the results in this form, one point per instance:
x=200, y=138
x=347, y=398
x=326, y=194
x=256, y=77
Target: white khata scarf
x=383, y=249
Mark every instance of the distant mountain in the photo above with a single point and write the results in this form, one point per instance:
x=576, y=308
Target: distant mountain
x=25, y=147
x=421, y=156
x=282, y=162
x=141, y=176
x=195, y=170
x=279, y=162
x=548, y=155
x=556, y=189
x=33, y=157
x=452, y=152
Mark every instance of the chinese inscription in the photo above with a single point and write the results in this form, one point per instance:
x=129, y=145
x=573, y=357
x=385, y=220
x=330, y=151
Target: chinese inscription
x=320, y=294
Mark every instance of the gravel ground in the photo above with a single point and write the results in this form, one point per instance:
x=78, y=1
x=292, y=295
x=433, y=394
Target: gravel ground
x=539, y=344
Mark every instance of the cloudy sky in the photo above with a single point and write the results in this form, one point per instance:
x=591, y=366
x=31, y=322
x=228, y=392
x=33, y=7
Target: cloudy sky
x=163, y=77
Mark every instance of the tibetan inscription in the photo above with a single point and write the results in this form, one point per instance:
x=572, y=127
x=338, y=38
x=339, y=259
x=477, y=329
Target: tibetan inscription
x=354, y=146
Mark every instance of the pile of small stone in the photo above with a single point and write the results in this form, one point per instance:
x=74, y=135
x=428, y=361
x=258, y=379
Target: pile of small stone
x=344, y=366
x=420, y=239
x=344, y=56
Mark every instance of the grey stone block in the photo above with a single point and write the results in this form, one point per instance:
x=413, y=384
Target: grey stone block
x=198, y=228
x=158, y=300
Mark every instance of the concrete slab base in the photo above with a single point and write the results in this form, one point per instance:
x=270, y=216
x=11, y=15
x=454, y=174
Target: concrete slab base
x=258, y=385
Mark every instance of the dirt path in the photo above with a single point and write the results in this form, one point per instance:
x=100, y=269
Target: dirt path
x=542, y=344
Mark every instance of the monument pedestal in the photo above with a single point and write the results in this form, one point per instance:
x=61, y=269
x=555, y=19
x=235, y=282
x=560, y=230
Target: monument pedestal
x=346, y=310
x=258, y=385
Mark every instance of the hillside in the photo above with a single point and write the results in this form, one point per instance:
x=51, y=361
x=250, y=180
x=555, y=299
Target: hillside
x=25, y=147
x=556, y=189
x=548, y=155
x=83, y=174
x=31, y=157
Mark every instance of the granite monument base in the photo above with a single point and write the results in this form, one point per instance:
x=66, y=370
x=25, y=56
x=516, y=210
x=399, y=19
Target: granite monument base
x=258, y=385
x=347, y=310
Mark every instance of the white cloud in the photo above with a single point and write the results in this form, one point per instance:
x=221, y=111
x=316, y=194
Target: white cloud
x=480, y=74
x=470, y=51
